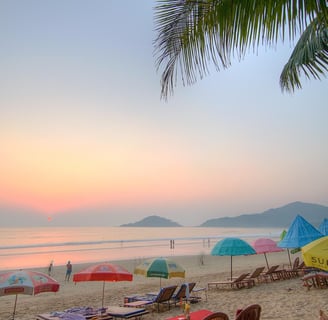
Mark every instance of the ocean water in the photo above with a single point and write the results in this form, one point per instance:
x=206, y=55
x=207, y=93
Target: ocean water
x=22, y=248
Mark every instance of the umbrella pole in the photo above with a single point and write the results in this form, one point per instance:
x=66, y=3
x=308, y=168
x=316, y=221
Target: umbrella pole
x=15, y=307
x=266, y=260
x=290, y=261
x=231, y=267
x=103, y=294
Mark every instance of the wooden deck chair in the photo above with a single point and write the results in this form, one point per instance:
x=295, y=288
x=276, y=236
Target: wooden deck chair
x=252, y=312
x=269, y=274
x=238, y=283
x=256, y=274
x=294, y=271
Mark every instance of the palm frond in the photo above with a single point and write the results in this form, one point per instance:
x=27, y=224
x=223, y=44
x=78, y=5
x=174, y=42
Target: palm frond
x=194, y=33
x=309, y=56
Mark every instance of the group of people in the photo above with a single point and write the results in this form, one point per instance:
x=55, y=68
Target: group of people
x=69, y=269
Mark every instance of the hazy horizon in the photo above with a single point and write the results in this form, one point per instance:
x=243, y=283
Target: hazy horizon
x=83, y=127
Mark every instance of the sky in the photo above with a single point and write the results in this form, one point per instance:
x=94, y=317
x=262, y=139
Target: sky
x=83, y=128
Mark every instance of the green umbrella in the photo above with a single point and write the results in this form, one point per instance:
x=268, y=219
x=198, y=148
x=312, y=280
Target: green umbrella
x=160, y=268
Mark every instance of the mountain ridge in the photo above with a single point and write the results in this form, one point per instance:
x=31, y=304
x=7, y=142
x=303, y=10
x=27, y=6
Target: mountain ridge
x=314, y=213
x=273, y=217
x=280, y=217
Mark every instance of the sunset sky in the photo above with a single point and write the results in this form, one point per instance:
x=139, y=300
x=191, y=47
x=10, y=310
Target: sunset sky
x=83, y=127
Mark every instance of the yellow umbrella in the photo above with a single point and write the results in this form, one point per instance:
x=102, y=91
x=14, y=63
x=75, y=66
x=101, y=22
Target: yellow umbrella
x=315, y=254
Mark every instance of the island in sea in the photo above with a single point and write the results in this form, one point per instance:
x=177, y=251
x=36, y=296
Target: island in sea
x=153, y=221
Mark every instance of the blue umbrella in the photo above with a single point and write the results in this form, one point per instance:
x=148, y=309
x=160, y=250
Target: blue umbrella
x=323, y=228
x=232, y=247
x=300, y=233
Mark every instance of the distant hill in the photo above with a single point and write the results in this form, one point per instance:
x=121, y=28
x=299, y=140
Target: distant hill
x=275, y=218
x=153, y=221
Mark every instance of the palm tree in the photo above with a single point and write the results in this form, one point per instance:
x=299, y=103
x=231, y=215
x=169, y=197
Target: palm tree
x=192, y=33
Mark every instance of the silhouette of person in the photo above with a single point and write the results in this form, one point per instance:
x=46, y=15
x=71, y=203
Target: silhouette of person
x=69, y=268
x=50, y=268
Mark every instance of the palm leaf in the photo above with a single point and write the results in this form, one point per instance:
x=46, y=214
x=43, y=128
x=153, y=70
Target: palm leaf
x=310, y=55
x=192, y=34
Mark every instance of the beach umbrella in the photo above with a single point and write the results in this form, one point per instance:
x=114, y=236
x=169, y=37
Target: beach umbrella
x=265, y=245
x=315, y=253
x=160, y=268
x=323, y=227
x=232, y=247
x=26, y=282
x=103, y=272
x=300, y=233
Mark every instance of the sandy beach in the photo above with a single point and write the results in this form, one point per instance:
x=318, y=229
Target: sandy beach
x=285, y=299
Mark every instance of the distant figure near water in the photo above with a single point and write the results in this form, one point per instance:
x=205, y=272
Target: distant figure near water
x=50, y=268
x=68, y=270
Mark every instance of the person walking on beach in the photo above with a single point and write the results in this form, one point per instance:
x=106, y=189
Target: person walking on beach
x=68, y=271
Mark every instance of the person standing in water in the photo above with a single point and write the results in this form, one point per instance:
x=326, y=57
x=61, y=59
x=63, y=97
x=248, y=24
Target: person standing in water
x=68, y=271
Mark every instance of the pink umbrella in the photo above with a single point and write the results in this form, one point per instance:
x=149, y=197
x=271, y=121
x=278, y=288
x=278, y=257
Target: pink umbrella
x=266, y=245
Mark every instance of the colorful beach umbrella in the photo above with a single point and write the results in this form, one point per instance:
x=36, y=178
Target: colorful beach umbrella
x=26, y=282
x=103, y=272
x=160, y=268
x=323, y=227
x=300, y=233
x=264, y=246
x=232, y=247
x=315, y=253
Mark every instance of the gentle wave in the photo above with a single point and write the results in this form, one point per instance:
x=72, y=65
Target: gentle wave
x=41, y=246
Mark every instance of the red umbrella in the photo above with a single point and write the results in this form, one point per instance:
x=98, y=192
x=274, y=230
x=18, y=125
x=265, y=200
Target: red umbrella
x=265, y=245
x=26, y=282
x=103, y=272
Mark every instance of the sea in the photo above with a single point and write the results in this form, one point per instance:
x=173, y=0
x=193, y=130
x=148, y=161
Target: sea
x=37, y=247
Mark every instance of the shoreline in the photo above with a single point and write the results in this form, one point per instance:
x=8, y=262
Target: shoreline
x=97, y=244
x=285, y=299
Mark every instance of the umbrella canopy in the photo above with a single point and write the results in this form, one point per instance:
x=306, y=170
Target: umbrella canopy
x=160, y=268
x=232, y=247
x=103, y=272
x=315, y=253
x=265, y=245
x=26, y=282
x=300, y=233
x=323, y=228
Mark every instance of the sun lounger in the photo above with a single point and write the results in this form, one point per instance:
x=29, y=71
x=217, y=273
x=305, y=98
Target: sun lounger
x=180, y=295
x=295, y=270
x=76, y=313
x=50, y=316
x=162, y=298
x=271, y=275
x=238, y=283
x=126, y=313
x=256, y=274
